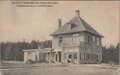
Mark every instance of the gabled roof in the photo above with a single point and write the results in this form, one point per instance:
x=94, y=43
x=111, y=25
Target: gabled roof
x=76, y=24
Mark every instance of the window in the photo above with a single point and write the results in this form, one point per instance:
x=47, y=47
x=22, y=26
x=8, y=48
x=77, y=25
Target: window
x=70, y=56
x=92, y=56
x=85, y=56
x=89, y=39
x=88, y=56
x=75, y=56
x=98, y=41
x=75, y=34
x=80, y=56
x=56, y=57
x=75, y=38
x=96, y=57
x=60, y=40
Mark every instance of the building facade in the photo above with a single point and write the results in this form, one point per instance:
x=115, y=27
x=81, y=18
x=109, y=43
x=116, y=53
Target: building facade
x=74, y=42
x=77, y=42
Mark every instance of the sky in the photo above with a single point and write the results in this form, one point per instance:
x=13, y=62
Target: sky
x=18, y=23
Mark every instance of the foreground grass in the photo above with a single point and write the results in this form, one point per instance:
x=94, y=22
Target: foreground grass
x=47, y=69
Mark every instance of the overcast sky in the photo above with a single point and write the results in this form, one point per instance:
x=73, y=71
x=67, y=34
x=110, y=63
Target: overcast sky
x=18, y=23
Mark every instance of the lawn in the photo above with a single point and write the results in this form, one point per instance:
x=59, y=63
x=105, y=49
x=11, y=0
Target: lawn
x=51, y=69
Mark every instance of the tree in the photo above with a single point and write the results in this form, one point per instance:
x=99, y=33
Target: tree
x=14, y=50
x=117, y=52
x=48, y=43
x=34, y=44
x=110, y=54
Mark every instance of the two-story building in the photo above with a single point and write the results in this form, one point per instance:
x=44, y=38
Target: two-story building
x=74, y=42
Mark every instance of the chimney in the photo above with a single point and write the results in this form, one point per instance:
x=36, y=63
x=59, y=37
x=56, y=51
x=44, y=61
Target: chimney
x=59, y=23
x=77, y=13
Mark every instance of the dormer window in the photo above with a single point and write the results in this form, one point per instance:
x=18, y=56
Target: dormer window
x=72, y=26
x=60, y=40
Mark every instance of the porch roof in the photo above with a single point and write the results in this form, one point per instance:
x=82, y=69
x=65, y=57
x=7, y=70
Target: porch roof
x=38, y=50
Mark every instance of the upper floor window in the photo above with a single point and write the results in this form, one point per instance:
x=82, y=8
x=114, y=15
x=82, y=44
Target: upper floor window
x=89, y=39
x=60, y=40
x=75, y=35
x=75, y=38
x=98, y=41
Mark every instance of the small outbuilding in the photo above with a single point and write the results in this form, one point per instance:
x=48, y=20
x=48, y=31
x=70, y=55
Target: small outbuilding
x=37, y=55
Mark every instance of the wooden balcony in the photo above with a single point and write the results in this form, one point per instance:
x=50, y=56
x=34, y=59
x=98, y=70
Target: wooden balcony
x=64, y=45
x=80, y=44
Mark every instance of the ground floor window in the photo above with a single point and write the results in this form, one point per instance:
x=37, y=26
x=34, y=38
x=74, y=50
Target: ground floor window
x=92, y=57
x=81, y=56
x=56, y=57
x=70, y=56
x=87, y=56
x=75, y=55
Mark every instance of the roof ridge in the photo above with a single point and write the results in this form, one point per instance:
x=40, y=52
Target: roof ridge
x=90, y=27
x=81, y=23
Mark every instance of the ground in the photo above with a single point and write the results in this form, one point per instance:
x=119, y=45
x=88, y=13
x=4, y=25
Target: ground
x=57, y=69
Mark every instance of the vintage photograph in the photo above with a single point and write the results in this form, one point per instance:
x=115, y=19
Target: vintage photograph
x=59, y=37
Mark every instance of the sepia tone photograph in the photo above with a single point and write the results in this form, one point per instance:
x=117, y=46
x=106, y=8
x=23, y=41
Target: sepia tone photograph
x=59, y=37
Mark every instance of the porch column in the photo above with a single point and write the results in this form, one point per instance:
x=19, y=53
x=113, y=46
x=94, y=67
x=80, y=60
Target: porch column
x=37, y=55
x=78, y=55
x=99, y=58
x=62, y=57
x=54, y=56
x=67, y=57
x=50, y=57
x=25, y=57
x=58, y=57
x=46, y=57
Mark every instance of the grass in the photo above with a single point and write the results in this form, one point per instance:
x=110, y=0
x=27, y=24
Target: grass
x=51, y=69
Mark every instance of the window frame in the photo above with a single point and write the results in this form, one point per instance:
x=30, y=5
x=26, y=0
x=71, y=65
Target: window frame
x=98, y=41
x=89, y=39
x=75, y=37
x=75, y=55
x=60, y=40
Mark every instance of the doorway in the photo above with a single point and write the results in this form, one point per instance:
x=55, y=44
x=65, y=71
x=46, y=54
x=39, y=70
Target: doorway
x=59, y=53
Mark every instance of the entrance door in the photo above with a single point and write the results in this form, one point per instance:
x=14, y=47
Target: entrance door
x=58, y=57
x=59, y=53
x=69, y=58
